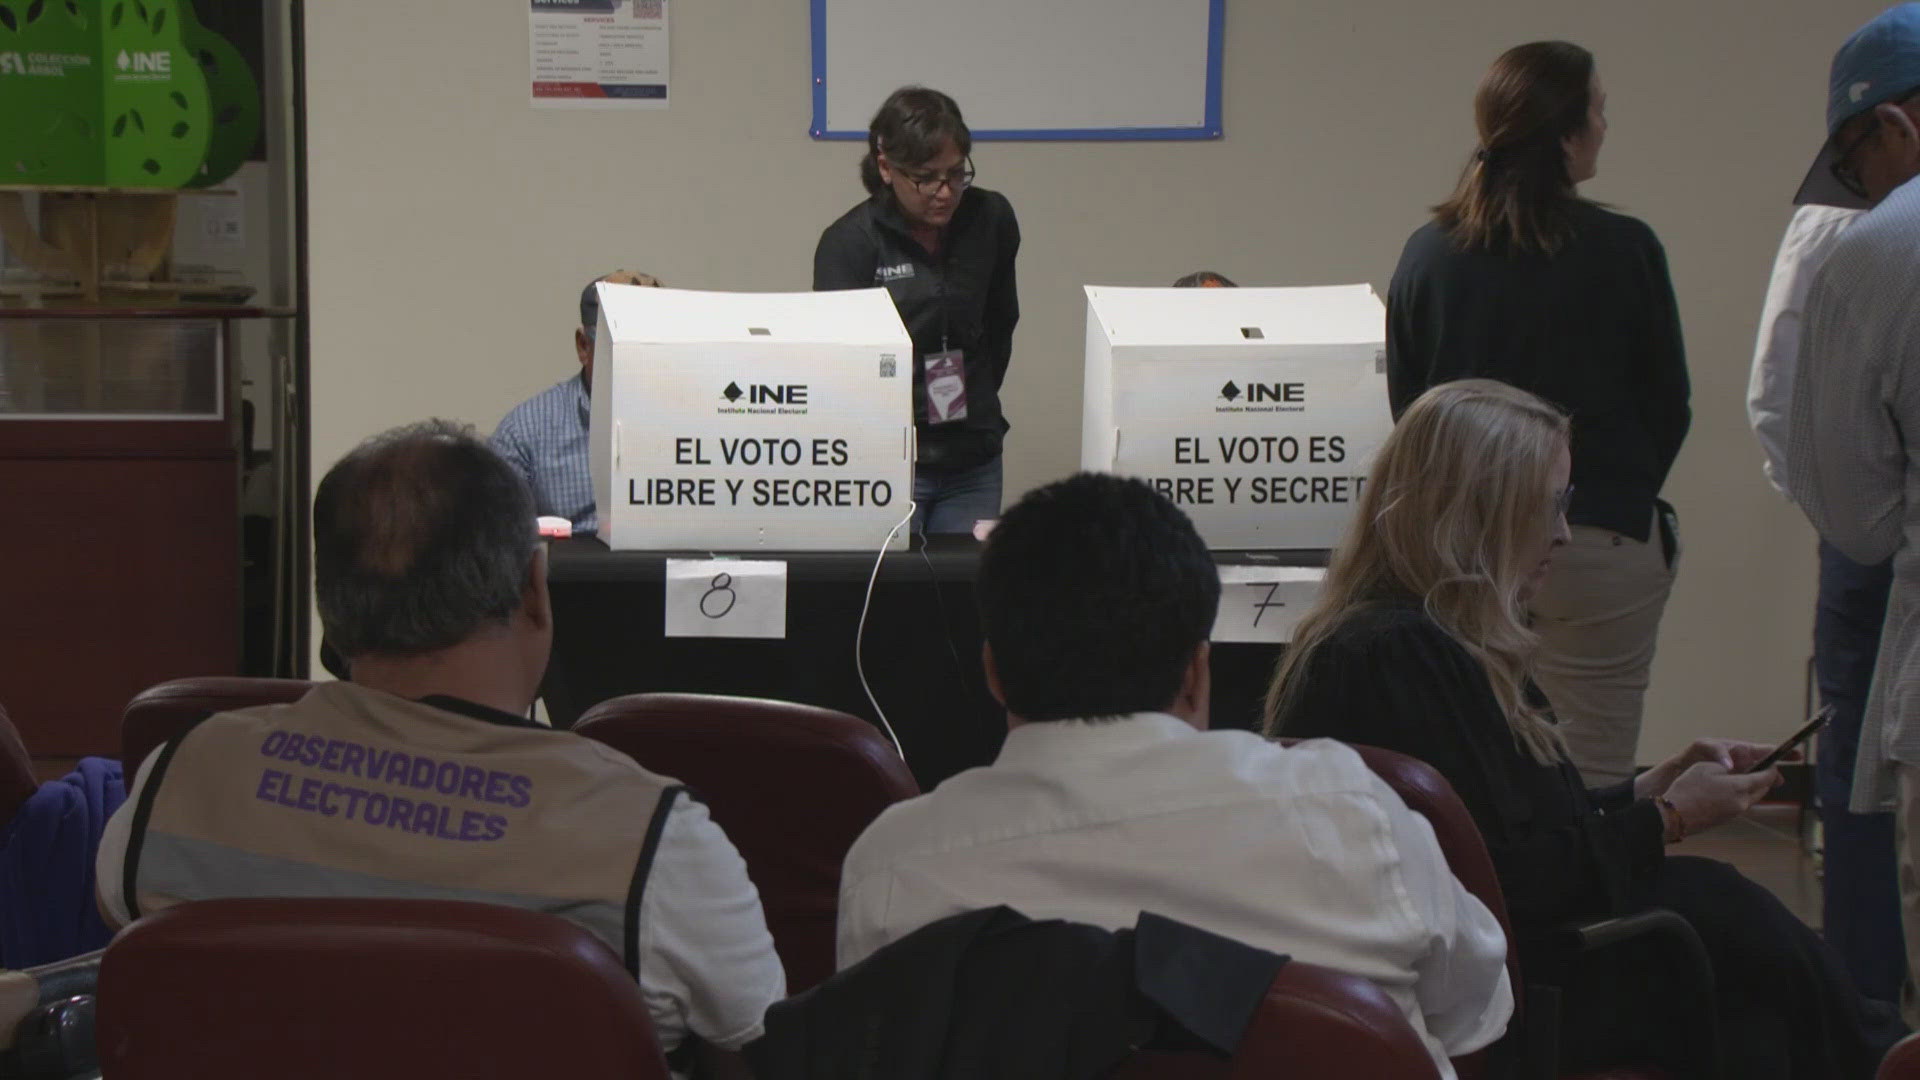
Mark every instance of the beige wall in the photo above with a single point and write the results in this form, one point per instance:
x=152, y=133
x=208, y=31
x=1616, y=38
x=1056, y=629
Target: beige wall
x=452, y=225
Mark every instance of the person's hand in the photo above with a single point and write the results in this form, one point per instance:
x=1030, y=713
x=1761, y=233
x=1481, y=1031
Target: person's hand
x=1734, y=755
x=1707, y=794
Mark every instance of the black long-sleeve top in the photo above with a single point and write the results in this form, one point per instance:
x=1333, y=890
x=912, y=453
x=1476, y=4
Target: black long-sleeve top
x=962, y=298
x=1390, y=677
x=1593, y=328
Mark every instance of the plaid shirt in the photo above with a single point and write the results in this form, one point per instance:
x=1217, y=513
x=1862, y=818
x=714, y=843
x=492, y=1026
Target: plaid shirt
x=1850, y=467
x=545, y=437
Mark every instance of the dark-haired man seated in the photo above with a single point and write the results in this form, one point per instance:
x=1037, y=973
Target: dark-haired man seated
x=421, y=776
x=545, y=437
x=1111, y=798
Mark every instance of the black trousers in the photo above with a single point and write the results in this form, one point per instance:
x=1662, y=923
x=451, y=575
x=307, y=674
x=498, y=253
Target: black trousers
x=1785, y=1004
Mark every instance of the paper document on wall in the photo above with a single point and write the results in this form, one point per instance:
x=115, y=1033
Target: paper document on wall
x=737, y=598
x=1264, y=603
x=599, y=54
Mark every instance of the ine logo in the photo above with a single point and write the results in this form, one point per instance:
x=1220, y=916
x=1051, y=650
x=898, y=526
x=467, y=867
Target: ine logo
x=12, y=63
x=1288, y=393
x=758, y=394
x=155, y=63
x=1278, y=393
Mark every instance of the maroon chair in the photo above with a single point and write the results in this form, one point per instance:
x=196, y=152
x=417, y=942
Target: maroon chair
x=1531, y=1040
x=1902, y=1062
x=1314, y=1022
x=1427, y=793
x=17, y=779
x=373, y=989
x=791, y=785
x=161, y=712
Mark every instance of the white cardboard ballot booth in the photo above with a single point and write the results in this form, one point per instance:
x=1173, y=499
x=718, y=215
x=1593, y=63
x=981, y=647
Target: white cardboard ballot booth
x=1258, y=411
x=750, y=421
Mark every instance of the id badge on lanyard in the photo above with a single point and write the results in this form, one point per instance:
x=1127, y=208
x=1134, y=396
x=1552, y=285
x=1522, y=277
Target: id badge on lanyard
x=946, y=373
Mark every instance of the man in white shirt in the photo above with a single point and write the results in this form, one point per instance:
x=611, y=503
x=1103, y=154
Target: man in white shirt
x=420, y=776
x=1111, y=798
x=1810, y=237
x=1860, y=892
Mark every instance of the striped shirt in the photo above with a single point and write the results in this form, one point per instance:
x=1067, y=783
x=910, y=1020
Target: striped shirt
x=545, y=437
x=1850, y=468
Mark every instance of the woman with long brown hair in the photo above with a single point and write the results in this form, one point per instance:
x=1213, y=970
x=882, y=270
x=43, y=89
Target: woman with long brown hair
x=1518, y=278
x=1419, y=643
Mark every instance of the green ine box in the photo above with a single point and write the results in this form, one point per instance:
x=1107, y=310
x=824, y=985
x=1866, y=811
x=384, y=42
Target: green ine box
x=120, y=93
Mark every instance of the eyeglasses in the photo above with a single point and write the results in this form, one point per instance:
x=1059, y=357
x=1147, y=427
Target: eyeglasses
x=1842, y=164
x=958, y=180
x=1562, y=500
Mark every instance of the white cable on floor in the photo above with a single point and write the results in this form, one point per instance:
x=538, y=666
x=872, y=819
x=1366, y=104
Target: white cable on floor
x=860, y=635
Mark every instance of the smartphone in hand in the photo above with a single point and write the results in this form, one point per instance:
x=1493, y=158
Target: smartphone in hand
x=1807, y=732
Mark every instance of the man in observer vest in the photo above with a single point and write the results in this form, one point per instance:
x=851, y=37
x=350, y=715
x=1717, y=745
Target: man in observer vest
x=421, y=777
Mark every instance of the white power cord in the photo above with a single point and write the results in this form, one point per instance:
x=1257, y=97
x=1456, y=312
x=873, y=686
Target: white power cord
x=860, y=635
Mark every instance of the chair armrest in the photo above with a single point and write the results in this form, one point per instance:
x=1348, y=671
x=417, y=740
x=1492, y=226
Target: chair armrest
x=1568, y=943
x=73, y=977
x=1653, y=921
x=56, y=1042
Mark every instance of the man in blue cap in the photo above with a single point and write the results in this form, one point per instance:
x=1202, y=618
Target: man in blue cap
x=1857, y=390
x=545, y=437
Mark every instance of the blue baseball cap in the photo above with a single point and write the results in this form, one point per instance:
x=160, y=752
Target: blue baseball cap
x=1878, y=64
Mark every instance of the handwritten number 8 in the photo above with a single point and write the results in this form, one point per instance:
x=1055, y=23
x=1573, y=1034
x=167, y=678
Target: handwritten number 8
x=719, y=595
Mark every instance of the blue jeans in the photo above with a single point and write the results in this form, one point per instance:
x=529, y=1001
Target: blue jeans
x=1860, y=886
x=951, y=500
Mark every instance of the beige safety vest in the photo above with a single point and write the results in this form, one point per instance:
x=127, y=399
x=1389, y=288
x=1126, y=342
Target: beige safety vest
x=354, y=792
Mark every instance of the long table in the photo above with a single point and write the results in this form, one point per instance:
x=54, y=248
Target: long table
x=922, y=644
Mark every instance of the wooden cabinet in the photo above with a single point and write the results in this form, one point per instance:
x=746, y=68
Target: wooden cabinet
x=120, y=561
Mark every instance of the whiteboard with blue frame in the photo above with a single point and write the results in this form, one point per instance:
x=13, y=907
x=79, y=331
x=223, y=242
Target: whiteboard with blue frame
x=1025, y=69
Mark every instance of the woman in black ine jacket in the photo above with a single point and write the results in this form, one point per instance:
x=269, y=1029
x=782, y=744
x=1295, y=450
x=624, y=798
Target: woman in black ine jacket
x=944, y=250
x=1519, y=279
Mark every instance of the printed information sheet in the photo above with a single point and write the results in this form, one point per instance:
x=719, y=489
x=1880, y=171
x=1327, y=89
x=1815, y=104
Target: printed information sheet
x=599, y=54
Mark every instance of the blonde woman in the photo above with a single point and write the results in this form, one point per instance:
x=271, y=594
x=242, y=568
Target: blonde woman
x=1420, y=644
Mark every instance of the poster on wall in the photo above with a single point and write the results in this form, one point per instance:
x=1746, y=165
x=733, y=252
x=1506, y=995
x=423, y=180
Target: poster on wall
x=599, y=54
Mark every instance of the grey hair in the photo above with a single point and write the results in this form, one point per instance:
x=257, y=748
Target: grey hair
x=422, y=537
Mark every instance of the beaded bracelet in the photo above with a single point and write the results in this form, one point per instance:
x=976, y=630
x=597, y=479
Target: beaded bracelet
x=1679, y=823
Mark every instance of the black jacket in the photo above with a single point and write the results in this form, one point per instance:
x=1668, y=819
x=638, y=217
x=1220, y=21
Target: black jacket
x=993, y=995
x=963, y=299
x=1593, y=328
x=1562, y=852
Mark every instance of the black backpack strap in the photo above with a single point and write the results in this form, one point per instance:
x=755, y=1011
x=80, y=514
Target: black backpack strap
x=142, y=813
x=642, y=871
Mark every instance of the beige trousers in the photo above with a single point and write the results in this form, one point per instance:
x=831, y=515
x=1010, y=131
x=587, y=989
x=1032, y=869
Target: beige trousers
x=1597, y=616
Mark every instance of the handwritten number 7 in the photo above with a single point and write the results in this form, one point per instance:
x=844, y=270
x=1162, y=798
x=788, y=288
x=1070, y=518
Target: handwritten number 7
x=1261, y=605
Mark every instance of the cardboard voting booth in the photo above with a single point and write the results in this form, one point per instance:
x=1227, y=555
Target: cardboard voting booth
x=1258, y=411
x=751, y=421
